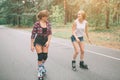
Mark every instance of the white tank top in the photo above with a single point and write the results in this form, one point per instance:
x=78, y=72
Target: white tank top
x=80, y=28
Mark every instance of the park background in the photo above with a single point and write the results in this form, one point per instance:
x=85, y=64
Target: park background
x=103, y=17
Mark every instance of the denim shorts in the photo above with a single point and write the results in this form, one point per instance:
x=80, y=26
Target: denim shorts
x=73, y=38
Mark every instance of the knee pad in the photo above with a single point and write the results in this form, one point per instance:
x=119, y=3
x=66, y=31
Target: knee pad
x=45, y=56
x=40, y=56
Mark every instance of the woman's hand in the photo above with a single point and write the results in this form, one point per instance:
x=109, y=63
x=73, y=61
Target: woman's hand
x=89, y=41
x=32, y=48
x=47, y=44
x=77, y=40
x=32, y=45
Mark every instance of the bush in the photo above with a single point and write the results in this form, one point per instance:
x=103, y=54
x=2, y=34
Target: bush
x=27, y=20
x=2, y=21
x=57, y=15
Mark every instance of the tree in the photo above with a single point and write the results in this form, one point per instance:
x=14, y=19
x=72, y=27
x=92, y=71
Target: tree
x=107, y=13
x=116, y=11
x=100, y=12
x=65, y=17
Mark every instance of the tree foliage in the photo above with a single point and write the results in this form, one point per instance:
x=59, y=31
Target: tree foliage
x=22, y=12
x=57, y=15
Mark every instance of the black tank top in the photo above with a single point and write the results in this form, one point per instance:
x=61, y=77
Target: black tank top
x=44, y=30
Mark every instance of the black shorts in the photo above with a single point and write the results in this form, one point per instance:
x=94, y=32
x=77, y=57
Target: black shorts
x=41, y=40
x=73, y=38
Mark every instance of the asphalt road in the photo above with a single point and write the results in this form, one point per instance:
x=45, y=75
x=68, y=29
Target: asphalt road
x=17, y=62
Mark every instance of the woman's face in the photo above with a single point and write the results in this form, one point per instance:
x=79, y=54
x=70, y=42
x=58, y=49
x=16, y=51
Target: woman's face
x=80, y=16
x=45, y=18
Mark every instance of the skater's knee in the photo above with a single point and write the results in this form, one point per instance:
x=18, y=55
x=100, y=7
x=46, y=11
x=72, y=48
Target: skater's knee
x=40, y=56
x=45, y=56
x=82, y=51
x=76, y=52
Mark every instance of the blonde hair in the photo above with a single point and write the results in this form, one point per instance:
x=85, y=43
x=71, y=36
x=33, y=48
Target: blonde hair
x=82, y=13
x=43, y=13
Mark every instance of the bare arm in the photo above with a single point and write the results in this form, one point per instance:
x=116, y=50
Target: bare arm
x=32, y=42
x=73, y=31
x=49, y=38
x=33, y=36
x=86, y=32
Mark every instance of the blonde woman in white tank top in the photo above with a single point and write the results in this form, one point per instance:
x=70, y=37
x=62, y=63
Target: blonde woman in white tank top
x=79, y=28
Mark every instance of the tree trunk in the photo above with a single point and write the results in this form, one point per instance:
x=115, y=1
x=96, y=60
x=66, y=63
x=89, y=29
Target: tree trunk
x=114, y=17
x=107, y=14
x=14, y=21
x=19, y=19
x=65, y=17
x=107, y=19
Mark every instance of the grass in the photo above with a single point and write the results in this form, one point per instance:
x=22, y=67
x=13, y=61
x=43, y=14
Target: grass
x=99, y=36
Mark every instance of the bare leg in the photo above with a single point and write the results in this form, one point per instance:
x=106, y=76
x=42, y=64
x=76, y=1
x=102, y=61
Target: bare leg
x=81, y=45
x=75, y=45
x=82, y=65
x=39, y=51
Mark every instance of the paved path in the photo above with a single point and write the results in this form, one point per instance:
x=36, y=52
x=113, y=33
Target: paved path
x=17, y=62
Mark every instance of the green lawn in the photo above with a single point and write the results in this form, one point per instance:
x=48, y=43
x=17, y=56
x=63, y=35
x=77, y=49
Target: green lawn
x=100, y=36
